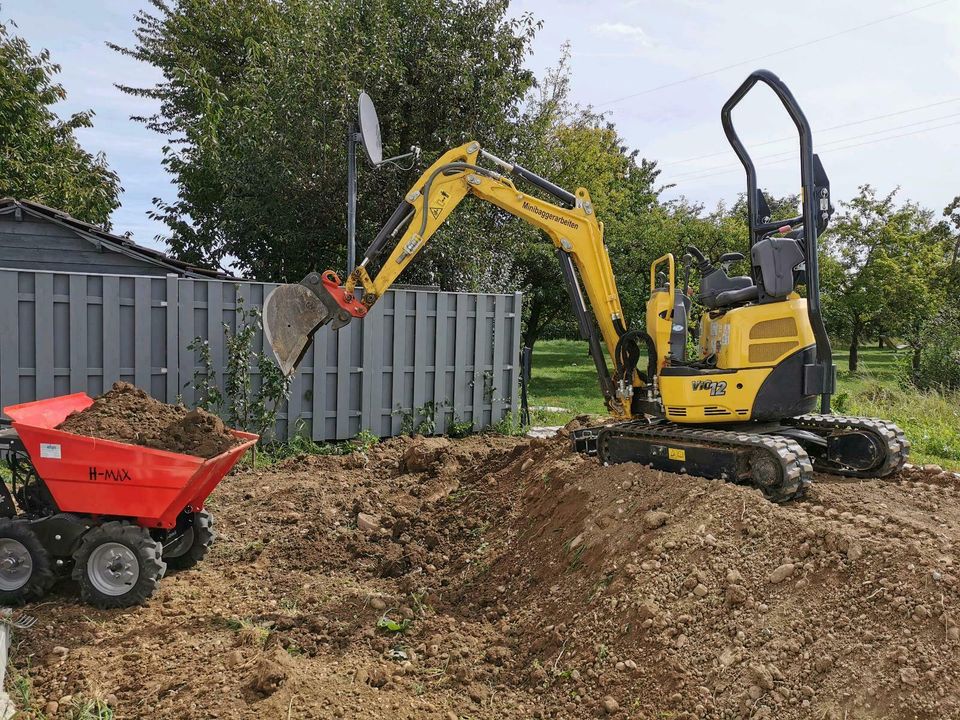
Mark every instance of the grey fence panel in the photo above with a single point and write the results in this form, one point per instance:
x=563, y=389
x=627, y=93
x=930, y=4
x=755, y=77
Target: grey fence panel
x=420, y=360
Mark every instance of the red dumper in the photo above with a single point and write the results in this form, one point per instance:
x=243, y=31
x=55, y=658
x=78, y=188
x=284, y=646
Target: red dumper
x=114, y=516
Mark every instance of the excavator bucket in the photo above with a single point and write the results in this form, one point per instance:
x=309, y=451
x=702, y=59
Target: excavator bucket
x=293, y=313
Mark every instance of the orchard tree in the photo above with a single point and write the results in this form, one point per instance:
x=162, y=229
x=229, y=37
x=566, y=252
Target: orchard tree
x=40, y=158
x=255, y=99
x=882, y=269
x=572, y=147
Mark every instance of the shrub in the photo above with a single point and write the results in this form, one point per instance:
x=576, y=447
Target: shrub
x=937, y=365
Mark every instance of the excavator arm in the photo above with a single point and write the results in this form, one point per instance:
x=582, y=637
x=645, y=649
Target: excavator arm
x=293, y=313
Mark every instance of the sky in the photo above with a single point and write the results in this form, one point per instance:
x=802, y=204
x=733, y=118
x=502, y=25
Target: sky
x=879, y=82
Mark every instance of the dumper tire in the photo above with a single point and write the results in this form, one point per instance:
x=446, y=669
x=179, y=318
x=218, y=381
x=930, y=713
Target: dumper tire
x=203, y=535
x=31, y=575
x=118, y=564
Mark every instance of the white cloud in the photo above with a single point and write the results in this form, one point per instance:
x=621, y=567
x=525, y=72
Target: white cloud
x=634, y=33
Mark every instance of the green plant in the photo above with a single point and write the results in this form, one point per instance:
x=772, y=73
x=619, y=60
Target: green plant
x=250, y=632
x=301, y=444
x=419, y=421
x=510, y=424
x=392, y=626
x=841, y=401
x=22, y=688
x=89, y=709
x=207, y=393
x=459, y=428
x=246, y=406
x=237, y=384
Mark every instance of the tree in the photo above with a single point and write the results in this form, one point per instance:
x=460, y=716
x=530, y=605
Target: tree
x=882, y=269
x=572, y=147
x=40, y=158
x=255, y=101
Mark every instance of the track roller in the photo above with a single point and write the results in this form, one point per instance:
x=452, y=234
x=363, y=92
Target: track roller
x=778, y=466
x=855, y=446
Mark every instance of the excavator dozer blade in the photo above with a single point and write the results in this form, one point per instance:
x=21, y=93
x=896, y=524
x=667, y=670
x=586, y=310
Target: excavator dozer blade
x=291, y=316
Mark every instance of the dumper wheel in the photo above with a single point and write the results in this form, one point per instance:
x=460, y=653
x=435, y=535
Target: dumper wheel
x=118, y=564
x=25, y=570
x=191, y=547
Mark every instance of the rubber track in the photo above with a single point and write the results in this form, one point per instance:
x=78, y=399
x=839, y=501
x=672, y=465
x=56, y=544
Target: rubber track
x=796, y=466
x=898, y=447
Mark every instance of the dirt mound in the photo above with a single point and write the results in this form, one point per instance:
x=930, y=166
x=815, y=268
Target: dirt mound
x=507, y=578
x=127, y=414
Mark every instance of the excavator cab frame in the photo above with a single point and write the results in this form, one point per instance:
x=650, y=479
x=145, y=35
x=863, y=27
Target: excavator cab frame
x=819, y=377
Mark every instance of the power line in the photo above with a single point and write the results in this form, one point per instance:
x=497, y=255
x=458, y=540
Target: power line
x=781, y=51
x=817, y=131
x=829, y=143
x=838, y=149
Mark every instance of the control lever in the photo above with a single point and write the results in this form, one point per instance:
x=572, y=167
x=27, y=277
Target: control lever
x=702, y=263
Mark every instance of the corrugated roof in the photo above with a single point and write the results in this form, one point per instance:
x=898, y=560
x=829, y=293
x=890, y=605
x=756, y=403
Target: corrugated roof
x=116, y=243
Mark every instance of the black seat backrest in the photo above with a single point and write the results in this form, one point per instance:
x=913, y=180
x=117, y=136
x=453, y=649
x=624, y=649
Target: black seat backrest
x=774, y=259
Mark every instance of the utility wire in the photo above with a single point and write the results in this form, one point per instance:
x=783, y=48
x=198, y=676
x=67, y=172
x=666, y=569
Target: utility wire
x=829, y=143
x=838, y=149
x=668, y=163
x=781, y=51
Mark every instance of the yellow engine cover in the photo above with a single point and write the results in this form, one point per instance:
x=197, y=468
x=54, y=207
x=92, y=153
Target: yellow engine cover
x=749, y=343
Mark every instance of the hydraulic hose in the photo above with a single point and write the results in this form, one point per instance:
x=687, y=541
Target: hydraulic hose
x=627, y=354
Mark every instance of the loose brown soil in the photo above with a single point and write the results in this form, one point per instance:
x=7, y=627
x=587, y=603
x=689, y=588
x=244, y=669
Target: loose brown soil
x=127, y=414
x=531, y=583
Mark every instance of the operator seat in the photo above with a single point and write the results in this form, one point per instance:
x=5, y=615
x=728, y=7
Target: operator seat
x=774, y=260
x=715, y=282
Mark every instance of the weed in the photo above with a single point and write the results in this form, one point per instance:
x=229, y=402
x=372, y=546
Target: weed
x=420, y=605
x=510, y=424
x=22, y=688
x=392, y=626
x=419, y=421
x=252, y=550
x=245, y=407
x=252, y=634
x=288, y=603
x=301, y=444
x=87, y=709
x=294, y=650
x=459, y=428
x=577, y=560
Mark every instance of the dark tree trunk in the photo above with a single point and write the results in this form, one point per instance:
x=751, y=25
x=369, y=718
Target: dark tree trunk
x=916, y=358
x=532, y=332
x=854, y=358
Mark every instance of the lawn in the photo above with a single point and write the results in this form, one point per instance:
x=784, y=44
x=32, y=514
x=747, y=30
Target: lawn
x=564, y=377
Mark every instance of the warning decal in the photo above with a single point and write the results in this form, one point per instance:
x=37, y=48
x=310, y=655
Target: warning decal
x=50, y=451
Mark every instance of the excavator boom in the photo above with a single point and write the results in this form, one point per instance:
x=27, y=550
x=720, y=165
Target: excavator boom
x=293, y=313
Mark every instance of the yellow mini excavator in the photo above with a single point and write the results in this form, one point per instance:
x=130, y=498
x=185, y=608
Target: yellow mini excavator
x=741, y=410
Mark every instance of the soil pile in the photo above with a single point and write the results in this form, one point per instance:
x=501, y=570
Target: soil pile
x=128, y=414
x=508, y=578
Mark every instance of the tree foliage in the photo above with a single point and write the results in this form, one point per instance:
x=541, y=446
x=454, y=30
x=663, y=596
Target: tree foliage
x=882, y=271
x=40, y=158
x=256, y=98
x=572, y=147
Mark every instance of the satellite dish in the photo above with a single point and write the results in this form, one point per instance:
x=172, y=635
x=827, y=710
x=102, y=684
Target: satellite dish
x=370, y=129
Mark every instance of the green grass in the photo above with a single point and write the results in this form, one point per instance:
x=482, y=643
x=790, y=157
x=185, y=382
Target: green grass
x=564, y=377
